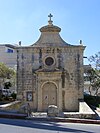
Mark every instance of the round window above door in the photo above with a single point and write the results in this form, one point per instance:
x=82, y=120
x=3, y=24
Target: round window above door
x=49, y=61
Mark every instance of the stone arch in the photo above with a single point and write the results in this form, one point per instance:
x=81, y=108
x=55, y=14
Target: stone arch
x=49, y=82
x=49, y=95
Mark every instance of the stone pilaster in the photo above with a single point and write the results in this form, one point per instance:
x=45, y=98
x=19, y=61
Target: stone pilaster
x=59, y=104
x=39, y=97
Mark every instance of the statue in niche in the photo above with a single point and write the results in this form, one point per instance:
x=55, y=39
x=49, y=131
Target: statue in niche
x=29, y=96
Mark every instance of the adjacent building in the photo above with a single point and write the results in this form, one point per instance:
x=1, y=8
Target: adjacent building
x=8, y=55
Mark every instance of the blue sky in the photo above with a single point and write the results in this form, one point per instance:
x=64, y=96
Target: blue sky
x=20, y=20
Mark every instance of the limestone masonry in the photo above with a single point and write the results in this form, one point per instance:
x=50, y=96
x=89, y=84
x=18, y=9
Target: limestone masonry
x=50, y=72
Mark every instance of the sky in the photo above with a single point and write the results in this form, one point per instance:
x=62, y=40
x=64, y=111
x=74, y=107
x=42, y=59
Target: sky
x=20, y=20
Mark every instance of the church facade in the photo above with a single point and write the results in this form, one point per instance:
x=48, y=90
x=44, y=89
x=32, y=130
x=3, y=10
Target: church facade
x=50, y=72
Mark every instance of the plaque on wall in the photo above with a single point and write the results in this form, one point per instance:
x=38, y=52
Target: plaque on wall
x=29, y=96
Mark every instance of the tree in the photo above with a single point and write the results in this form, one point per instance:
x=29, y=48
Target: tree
x=95, y=61
x=94, y=73
x=94, y=78
x=6, y=73
x=7, y=85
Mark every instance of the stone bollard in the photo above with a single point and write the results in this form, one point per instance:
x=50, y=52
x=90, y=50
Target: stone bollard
x=52, y=111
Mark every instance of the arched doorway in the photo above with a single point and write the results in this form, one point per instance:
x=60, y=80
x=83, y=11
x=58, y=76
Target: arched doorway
x=49, y=95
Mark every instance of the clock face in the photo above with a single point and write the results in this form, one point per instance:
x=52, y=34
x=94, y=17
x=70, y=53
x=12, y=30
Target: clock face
x=49, y=61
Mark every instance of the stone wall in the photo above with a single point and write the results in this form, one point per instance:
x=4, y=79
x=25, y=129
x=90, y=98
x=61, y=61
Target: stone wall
x=66, y=72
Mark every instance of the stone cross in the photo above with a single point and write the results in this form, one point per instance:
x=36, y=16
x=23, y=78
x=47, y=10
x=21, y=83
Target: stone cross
x=50, y=21
x=50, y=15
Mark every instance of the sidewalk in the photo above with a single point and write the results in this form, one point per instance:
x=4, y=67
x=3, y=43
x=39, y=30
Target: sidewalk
x=12, y=115
x=67, y=120
x=44, y=117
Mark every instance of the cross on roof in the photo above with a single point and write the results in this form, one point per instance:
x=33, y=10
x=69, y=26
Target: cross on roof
x=50, y=15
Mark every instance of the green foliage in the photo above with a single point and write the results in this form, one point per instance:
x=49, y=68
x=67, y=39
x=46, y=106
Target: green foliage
x=7, y=85
x=8, y=98
x=13, y=95
x=92, y=100
x=6, y=72
x=93, y=75
x=95, y=60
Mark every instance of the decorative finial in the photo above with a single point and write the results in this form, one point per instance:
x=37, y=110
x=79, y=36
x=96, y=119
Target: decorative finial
x=50, y=21
x=19, y=43
x=80, y=41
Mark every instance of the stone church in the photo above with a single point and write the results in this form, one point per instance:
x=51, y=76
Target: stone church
x=50, y=71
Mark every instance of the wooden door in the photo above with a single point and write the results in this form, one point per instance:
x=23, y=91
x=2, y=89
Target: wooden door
x=49, y=95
